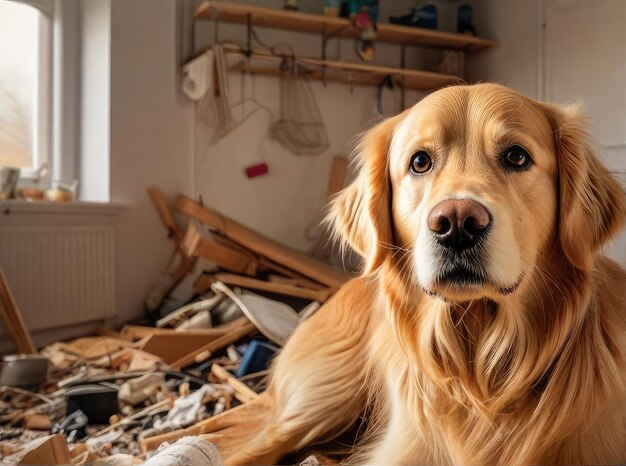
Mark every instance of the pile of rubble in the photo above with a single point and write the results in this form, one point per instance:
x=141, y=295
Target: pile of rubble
x=228, y=302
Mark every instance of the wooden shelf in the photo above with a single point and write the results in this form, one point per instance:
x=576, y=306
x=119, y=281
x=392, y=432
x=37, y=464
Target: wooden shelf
x=341, y=27
x=262, y=62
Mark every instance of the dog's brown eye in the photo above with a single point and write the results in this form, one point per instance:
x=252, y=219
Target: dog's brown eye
x=421, y=163
x=516, y=158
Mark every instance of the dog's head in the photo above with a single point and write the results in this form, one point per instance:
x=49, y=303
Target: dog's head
x=473, y=187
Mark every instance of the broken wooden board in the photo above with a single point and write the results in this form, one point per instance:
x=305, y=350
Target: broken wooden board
x=138, y=332
x=45, y=450
x=175, y=233
x=12, y=319
x=197, y=243
x=204, y=353
x=242, y=391
x=263, y=245
x=205, y=281
x=172, y=347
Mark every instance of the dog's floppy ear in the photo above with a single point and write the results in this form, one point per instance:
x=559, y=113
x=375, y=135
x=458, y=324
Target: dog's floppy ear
x=360, y=214
x=592, y=204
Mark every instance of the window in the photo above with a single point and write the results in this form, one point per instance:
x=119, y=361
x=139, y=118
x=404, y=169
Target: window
x=25, y=68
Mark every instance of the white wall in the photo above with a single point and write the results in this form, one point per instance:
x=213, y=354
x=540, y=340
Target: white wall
x=515, y=62
x=151, y=140
x=95, y=65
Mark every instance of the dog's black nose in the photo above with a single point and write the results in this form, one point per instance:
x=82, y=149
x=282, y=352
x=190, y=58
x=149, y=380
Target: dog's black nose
x=459, y=223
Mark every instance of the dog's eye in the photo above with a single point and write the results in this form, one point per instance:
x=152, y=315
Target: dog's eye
x=421, y=162
x=516, y=158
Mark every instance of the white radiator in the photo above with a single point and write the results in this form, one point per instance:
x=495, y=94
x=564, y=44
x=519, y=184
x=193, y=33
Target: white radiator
x=60, y=275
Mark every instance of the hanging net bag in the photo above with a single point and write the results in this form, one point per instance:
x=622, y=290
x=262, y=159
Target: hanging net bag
x=300, y=128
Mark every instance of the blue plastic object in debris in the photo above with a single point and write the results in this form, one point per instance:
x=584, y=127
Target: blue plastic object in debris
x=256, y=358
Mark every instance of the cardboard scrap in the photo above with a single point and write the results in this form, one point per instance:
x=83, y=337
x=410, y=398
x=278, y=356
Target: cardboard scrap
x=51, y=449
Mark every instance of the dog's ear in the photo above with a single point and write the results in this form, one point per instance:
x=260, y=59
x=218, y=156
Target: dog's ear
x=592, y=204
x=360, y=214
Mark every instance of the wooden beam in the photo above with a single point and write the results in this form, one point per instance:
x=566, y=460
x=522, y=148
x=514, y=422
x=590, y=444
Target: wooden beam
x=12, y=319
x=204, y=282
x=174, y=346
x=263, y=245
x=137, y=332
x=166, y=215
x=198, y=244
x=174, y=232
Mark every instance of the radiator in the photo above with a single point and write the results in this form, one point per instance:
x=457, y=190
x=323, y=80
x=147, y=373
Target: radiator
x=60, y=275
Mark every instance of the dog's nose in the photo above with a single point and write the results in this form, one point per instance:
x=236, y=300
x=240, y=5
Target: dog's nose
x=458, y=223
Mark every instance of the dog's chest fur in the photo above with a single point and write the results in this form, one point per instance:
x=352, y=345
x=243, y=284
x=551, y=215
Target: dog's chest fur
x=481, y=385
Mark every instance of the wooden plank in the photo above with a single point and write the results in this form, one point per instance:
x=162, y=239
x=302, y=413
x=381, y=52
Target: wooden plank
x=293, y=282
x=175, y=233
x=263, y=245
x=355, y=73
x=204, y=353
x=137, y=332
x=197, y=244
x=341, y=27
x=174, y=346
x=166, y=215
x=204, y=282
x=302, y=280
x=337, y=176
x=243, y=393
x=12, y=319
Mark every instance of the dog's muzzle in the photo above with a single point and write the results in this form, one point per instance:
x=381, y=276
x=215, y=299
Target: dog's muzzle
x=459, y=224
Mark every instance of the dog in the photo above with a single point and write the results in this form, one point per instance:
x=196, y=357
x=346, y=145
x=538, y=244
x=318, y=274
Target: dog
x=486, y=328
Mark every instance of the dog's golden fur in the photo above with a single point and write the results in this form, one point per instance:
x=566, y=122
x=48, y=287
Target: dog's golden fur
x=528, y=367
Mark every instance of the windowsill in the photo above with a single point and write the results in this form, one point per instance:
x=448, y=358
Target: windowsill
x=44, y=207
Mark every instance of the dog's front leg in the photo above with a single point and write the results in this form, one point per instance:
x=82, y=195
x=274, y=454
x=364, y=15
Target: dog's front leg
x=317, y=386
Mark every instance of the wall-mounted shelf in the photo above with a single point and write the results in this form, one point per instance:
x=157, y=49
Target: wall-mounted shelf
x=261, y=62
x=340, y=27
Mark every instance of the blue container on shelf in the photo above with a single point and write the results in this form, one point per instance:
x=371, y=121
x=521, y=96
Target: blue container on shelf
x=256, y=358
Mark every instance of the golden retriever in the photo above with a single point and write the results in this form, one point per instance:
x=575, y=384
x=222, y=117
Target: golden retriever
x=486, y=328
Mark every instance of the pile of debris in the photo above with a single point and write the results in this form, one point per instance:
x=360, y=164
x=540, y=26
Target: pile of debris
x=229, y=301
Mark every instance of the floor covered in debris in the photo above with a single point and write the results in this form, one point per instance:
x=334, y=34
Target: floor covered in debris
x=124, y=396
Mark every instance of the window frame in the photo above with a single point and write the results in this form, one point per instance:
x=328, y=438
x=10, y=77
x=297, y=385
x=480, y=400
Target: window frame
x=43, y=100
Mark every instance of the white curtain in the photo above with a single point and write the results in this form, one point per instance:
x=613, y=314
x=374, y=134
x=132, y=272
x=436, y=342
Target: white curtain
x=45, y=6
